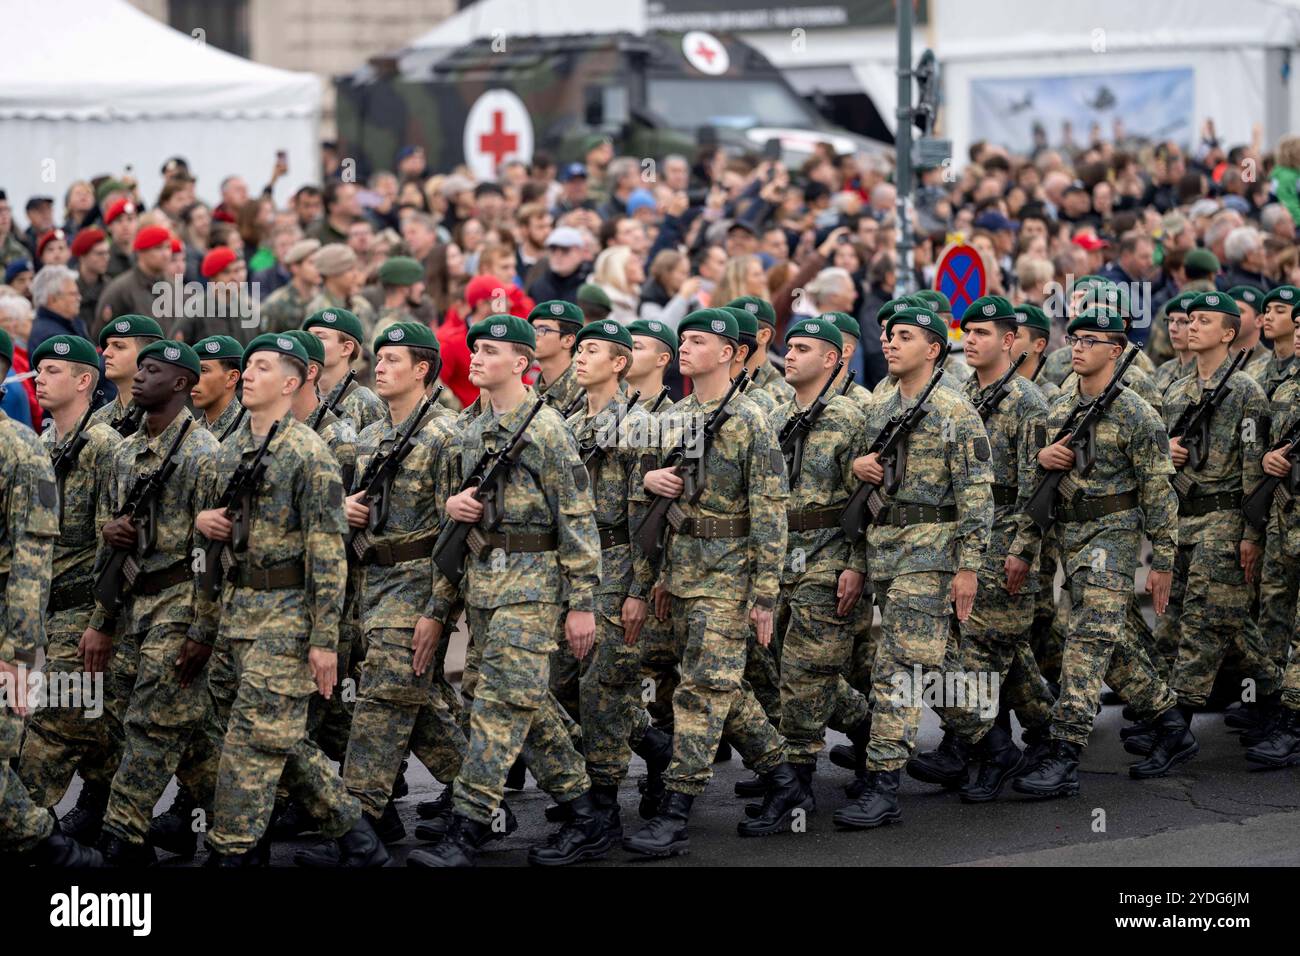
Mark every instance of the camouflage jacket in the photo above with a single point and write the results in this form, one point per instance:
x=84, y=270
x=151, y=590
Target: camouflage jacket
x=397, y=595
x=888, y=385
x=768, y=378
x=1049, y=390
x=183, y=497
x=1135, y=380
x=1056, y=366
x=616, y=439
x=1238, y=436
x=110, y=412
x=1016, y=431
x=341, y=439
x=1132, y=454
x=817, y=556
x=1285, y=411
x=285, y=309
x=1272, y=373
x=948, y=463
x=1170, y=372
x=1257, y=362
x=561, y=393
x=295, y=519
x=860, y=396
x=744, y=476
x=360, y=406
x=547, y=493
x=29, y=526
x=222, y=427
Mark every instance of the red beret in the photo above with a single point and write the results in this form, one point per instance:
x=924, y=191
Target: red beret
x=481, y=288
x=118, y=207
x=217, y=260
x=176, y=245
x=86, y=240
x=151, y=236
x=47, y=238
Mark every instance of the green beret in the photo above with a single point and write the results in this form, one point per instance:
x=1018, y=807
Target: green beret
x=130, y=327
x=818, y=328
x=414, y=335
x=1282, y=293
x=503, y=328
x=562, y=311
x=594, y=295
x=7, y=348
x=313, y=346
x=718, y=321
x=1215, y=302
x=608, y=331
x=1097, y=319
x=1254, y=297
x=886, y=311
x=1103, y=294
x=1202, y=259
x=1031, y=316
x=173, y=353
x=219, y=347
x=275, y=342
x=746, y=323
x=989, y=308
x=846, y=323
x=760, y=309
x=68, y=348
x=340, y=320
x=654, y=329
x=925, y=319
x=400, y=270
x=1180, y=302
x=938, y=302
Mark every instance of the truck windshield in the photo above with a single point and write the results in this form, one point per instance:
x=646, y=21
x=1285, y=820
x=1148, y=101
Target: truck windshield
x=687, y=103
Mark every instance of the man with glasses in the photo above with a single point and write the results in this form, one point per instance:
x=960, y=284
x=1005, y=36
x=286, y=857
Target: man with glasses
x=556, y=325
x=563, y=270
x=1182, y=363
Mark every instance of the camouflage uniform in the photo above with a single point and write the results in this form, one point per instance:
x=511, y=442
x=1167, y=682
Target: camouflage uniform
x=284, y=596
x=1100, y=557
x=816, y=646
x=513, y=601
x=659, y=668
x=767, y=378
x=1258, y=363
x=1271, y=373
x=61, y=740
x=1280, y=576
x=151, y=629
x=285, y=309
x=1135, y=380
x=29, y=525
x=360, y=406
x=110, y=412
x=948, y=475
x=225, y=421
x=1056, y=366
x=394, y=706
x=888, y=385
x=1172, y=371
x=713, y=582
x=561, y=393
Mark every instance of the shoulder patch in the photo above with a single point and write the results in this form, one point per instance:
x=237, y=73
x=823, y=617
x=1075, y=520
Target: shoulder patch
x=778, y=461
x=336, y=495
x=1040, y=436
x=1162, y=441
x=982, y=450
x=580, y=477
x=48, y=493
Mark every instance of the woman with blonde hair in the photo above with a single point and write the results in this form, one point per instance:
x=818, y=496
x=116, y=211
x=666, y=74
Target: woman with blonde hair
x=670, y=291
x=620, y=274
x=742, y=275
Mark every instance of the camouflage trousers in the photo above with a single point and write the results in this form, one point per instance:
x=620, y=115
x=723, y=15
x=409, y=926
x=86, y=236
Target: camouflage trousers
x=513, y=711
x=603, y=690
x=659, y=667
x=713, y=698
x=266, y=737
x=329, y=722
x=763, y=673
x=1211, y=599
x=1291, y=676
x=993, y=652
x=397, y=713
x=1046, y=638
x=1279, y=584
x=160, y=720
x=817, y=648
x=1101, y=646
x=61, y=741
x=23, y=822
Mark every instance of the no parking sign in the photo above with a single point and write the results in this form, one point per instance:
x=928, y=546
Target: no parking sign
x=961, y=277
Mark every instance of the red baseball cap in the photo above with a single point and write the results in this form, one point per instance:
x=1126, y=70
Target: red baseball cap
x=86, y=240
x=482, y=288
x=217, y=260
x=1090, y=242
x=118, y=207
x=151, y=236
x=46, y=239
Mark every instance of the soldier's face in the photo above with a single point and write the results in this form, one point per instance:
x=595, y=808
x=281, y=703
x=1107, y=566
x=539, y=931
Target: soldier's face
x=156, y=382
x=119, y=359
x=267, y=380
x=1024, y=342
x=213, y=382
x=702, y=352
x=984, y=344
x=493, y=364
x=333, y=343
x=808, y=360
x=594, y=363
x=908, y=349
x=395, y=374
x=548, y=338
x=1088, y=360
x=645, y=356
x=1207, y=331
x=1278, y=321
x=56, y=383
x=1178, y=331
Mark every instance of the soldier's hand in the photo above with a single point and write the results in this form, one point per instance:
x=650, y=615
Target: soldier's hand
x=120, y=533
x=464, y=507
x=94, y=649
x=849, y=591
x=1250, y=555
x=664, y=482
x=1158, y=583
x=964, y=584
x=580, y=632
x=1177, y=452
x=663, y=602
x=634, y=613
x=13, y=678
x=357, y=512
x=1276, y=463
x=868, y=469
x=1016, y=569
x=214, y=525
x=191, y=660
x=325, y=669
x=1057, y=457
x=761, y=618
x=428, y=633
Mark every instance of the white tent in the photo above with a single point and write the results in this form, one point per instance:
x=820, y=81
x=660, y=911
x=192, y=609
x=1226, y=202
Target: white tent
x=90, y=86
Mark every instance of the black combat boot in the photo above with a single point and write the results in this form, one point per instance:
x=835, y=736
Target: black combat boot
x=458, y=847
x=584, y=837
x=1174, y=744
x=1282, y=747
x=435, y=830
x=361, y=846
x=1141, y=737
x=515, y=776
x=128, y=856
x=1246, y=716
x=559, y=812
x=60, y=850
x=400, y=786
x=389, y=825
x=173, y=829
x=998, y=760
x=755, y=786
x=665, y=835
x=877, y=806
x=324, y=855
x=437, y=808
x=723, y=753
x=1037, y=742
x=946, y=766
x=784, y=792
x=656, y=749
x=606, y=798
x=85, y=821
x=1270, y=711
x=288, y=820
x=804, y=771
x=1055, y=775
